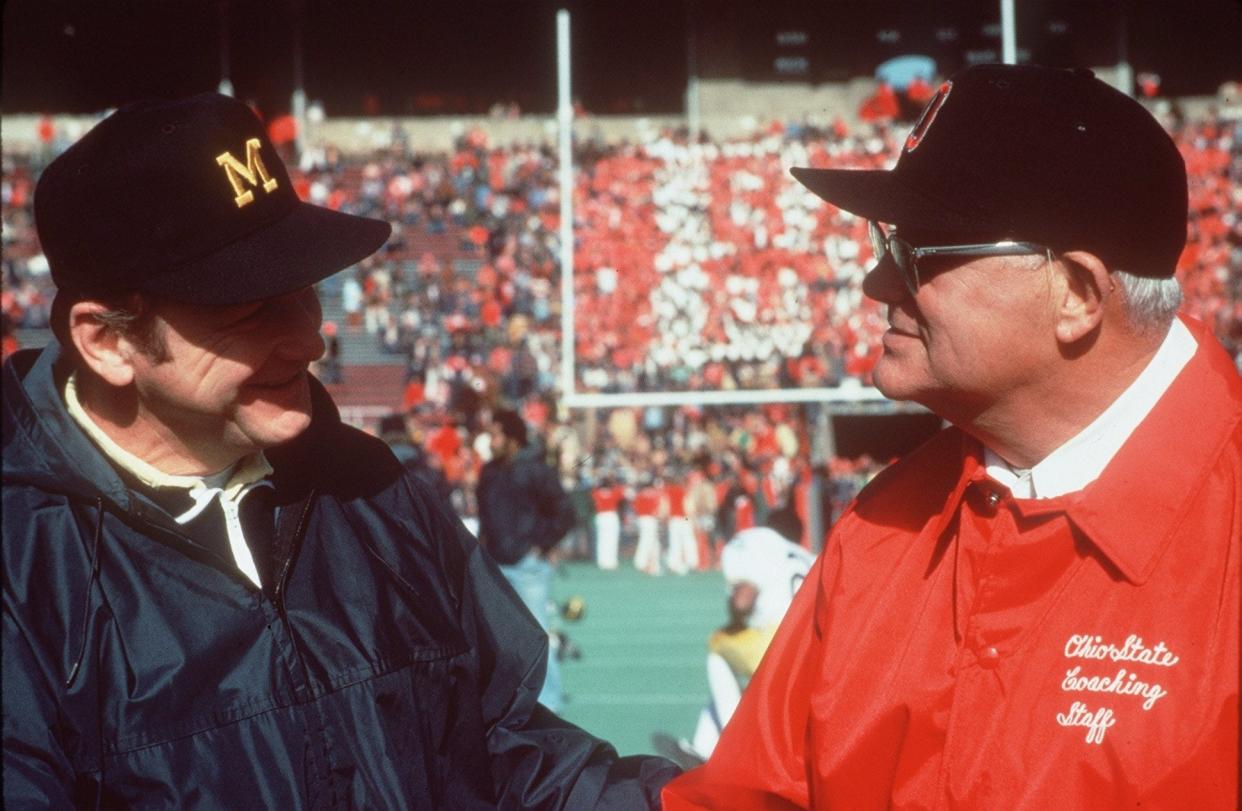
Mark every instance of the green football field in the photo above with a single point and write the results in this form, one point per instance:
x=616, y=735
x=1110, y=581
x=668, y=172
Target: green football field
x=643, y=641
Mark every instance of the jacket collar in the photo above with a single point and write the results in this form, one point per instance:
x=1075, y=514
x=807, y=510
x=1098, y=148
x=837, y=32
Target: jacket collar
x=970, y=471
x=1130, y=513
x=297, y=465
x=1133, y=509
x=42, y=441
x=1083, y=457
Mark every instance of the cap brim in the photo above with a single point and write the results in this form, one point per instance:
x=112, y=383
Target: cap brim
x=882, y=196
x=301, y=248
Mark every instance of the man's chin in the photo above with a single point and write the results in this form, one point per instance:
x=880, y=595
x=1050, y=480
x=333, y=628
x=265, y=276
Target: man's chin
x=899, y=389
x=889, y=381
x=268, y=431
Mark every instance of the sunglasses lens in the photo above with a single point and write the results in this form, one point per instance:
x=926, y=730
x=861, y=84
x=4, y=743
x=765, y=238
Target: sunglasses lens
x=879, y=243
x=903, y=257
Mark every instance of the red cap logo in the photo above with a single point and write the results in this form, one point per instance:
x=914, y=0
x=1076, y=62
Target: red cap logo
x=927, y=117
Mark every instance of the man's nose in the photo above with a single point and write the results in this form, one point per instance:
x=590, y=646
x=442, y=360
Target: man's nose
x=300, y=318
x=884, y=283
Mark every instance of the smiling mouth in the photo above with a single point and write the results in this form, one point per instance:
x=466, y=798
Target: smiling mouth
x=899, y=331
x=280, y=383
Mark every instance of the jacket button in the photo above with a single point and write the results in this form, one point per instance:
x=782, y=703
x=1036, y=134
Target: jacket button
x=993, y=498
x=989, y=657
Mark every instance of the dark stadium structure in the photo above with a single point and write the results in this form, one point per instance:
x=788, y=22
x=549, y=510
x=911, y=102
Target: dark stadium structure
x=633, y=57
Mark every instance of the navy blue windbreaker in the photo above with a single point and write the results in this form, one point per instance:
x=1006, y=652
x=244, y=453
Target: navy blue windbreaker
x=386, y=665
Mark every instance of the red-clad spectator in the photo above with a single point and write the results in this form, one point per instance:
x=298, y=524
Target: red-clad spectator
x=413, y=395
x=445, y=442
x=607, y=500
x=701, y=507
x=1149, y=84
x=45, y=131
x=486, y=277
x=283, y=130
x=764, y=441
x=919, y=91
x=336, y=199
x=490, y=313
x=773, y=490
x=302, y=187
x=883, y=105
x=8, y=341
x=743, y=511
x=647, y=504
x=683, y=550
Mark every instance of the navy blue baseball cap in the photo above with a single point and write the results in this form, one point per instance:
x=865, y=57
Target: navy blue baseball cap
x=1032, y=154
x=188, y=200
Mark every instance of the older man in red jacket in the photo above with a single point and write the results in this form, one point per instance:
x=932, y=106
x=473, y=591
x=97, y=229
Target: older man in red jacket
x=1038, y=608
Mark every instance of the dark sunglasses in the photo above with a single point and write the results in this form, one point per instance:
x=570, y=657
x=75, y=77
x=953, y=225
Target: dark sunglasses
x=906, y=256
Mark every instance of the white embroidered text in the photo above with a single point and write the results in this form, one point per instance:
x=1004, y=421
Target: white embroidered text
x=1097, y=723
x=1086, y=646
x=1122, y=684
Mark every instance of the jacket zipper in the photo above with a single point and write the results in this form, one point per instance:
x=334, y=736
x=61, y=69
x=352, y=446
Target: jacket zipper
x=323, y=772
x=278, y=594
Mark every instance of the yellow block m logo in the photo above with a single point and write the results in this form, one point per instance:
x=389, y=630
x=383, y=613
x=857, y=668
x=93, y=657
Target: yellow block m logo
x=250, y=173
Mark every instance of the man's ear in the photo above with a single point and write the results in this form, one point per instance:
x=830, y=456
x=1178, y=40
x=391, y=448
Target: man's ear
x=1088, y=287
x=104, y=351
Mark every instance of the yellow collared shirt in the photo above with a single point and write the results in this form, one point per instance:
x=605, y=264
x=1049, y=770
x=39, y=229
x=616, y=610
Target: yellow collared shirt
x=228, y=486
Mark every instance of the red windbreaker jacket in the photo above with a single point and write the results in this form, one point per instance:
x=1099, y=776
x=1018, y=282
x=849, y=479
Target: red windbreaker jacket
x=955, y=647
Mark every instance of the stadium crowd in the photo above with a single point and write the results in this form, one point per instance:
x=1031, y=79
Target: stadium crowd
x=711, y=471
x=699, y=265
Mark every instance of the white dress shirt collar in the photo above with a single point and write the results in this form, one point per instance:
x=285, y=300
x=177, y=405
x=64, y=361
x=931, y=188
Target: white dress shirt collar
x=1083, y=458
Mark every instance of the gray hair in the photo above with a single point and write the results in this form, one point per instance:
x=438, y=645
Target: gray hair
x=130, y=315
x=1151, y=303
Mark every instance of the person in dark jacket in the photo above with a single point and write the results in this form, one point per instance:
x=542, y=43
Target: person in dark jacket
x=523, y=514
x=215, y=594
x=395, y=433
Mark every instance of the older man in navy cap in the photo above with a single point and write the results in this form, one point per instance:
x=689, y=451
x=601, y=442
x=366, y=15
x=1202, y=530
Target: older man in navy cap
x=1039, y=607
x=216, y=594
